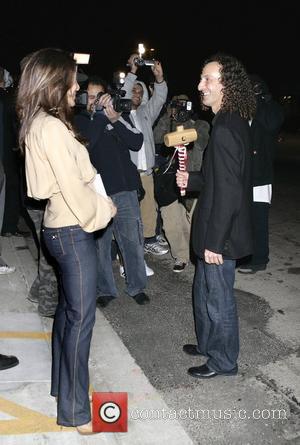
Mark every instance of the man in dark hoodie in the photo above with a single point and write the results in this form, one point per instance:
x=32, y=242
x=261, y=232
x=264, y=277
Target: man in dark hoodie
x=110, y=135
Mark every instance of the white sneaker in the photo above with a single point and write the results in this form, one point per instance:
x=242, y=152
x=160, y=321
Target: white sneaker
x=122, y=271
x=155, y=248
x=149, y=271
x=162, y=240
x=5, y=269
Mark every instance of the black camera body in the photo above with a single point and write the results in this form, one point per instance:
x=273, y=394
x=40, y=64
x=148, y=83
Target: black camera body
x=120, y=105
x=139, y=61
x=181, y=110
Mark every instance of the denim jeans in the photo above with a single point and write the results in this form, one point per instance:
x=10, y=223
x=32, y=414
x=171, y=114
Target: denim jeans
x=128, y=232
x=216, y=316
x=75, y=253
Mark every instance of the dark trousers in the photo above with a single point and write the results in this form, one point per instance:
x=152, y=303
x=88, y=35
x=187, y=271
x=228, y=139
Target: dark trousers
x=215, y=312
x=75, y=253
x=128, y=232
x=260, y=215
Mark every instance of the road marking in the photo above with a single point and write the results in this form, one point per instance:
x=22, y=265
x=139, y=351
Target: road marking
x=27, y=421
x=26, y=334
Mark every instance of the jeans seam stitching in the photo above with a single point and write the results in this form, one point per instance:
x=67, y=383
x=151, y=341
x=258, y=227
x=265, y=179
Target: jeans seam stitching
x=79, y=332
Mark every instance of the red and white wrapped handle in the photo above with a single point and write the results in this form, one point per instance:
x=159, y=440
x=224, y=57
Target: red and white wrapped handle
x=182, y=159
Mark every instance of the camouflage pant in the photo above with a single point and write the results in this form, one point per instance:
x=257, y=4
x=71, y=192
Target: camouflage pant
x=44, y=289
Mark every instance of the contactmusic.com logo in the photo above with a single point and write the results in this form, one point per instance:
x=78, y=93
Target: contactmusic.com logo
x=110, y=412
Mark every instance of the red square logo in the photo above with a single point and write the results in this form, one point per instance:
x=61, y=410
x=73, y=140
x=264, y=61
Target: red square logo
x=110, y=412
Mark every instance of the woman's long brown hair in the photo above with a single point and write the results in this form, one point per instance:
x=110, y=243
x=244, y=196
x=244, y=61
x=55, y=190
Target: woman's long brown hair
x=46, y=77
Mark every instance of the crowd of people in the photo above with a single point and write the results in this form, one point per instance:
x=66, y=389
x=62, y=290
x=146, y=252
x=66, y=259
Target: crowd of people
x=101, y=185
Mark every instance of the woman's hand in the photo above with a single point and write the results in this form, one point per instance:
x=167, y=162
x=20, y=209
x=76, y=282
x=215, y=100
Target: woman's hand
x=112, y=207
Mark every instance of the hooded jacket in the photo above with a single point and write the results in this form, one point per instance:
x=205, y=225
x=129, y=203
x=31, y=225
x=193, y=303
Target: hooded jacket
x=147, y=114
x=109, y=149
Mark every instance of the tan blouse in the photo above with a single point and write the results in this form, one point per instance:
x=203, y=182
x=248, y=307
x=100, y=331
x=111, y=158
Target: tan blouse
x=58, y=167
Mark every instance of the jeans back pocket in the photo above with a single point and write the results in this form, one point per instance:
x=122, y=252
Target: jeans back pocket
x=53, y=242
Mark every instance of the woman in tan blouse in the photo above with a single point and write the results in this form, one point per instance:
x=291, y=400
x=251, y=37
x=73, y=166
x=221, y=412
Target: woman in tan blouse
x=58, y=169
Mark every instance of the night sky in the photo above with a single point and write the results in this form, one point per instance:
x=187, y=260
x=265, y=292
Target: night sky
x=266, y=39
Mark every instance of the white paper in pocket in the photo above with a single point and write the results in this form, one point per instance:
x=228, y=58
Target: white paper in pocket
x=99, y=186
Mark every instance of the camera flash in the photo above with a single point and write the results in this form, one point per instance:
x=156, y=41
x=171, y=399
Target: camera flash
x=141, y=49
x=121, y=77
x=81, y=58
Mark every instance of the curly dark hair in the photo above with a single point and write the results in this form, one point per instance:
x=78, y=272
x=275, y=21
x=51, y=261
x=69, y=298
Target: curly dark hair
x=238, y=93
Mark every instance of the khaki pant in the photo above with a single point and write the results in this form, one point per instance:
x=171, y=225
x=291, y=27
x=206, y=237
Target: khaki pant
x=177, y=227
x=148, y=207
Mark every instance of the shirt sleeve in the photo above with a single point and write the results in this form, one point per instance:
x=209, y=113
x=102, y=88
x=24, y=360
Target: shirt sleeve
x=129, y=135
x=74, y=174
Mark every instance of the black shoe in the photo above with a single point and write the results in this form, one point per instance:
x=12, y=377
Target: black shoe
x=104, y=300
x=179, y=266
x=141, y=298
x=8, y=361
x=47, y=315
x=203, y=372
x=192, y=350
x=251, y=268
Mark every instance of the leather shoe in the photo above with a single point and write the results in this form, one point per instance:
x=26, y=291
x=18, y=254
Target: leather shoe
x=104, y=300
x=141, y=298
x=251, y=268
x=192, y=350
x=203, y=372
x=8, y=361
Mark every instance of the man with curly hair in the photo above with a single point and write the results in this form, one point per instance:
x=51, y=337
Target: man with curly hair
x=222, y=218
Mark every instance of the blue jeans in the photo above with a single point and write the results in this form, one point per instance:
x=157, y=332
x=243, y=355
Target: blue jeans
x=216, y=316
x=75, y=253
x=128, y=232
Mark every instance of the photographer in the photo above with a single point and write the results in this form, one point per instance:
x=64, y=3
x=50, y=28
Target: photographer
x=176, y=211
x=110, y=135
x=144, y=113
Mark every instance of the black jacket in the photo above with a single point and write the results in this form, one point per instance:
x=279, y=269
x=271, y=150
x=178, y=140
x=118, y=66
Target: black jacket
x=265, y=129
x=108, y=146
x=222, y=220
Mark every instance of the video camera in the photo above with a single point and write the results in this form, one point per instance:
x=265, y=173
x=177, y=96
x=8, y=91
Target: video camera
x=140, y=61
x=181, y=110
x=120, y=105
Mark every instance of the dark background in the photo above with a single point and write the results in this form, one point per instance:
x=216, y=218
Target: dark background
x=265, y=38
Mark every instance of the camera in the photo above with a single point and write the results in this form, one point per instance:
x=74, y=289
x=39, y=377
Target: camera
x=181, y=110
x=139, y=61
x=120, y=105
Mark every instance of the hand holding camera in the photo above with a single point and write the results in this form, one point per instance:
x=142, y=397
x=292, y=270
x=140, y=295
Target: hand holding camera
x=106, y=103
x=136, y=60
x=158, y=71
x=131, y=63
